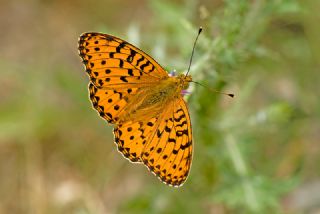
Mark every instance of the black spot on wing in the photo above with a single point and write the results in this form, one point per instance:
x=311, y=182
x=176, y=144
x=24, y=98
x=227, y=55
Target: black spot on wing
x=123, y=78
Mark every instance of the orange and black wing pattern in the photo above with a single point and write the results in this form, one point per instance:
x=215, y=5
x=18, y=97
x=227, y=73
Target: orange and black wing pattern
x=163, y=144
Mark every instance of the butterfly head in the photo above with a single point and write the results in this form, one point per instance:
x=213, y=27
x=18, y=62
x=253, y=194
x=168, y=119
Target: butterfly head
x=183, y=81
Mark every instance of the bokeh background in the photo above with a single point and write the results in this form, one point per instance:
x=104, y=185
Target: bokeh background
x=256, y=153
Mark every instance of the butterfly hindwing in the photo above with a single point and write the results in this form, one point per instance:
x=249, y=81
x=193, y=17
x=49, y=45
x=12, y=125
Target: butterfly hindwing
x=131, y=138
x=169, y=151
x=163, y=144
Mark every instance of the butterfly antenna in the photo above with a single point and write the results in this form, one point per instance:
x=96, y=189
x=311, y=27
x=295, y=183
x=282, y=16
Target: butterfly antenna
x=215, y=91
x=194, y=45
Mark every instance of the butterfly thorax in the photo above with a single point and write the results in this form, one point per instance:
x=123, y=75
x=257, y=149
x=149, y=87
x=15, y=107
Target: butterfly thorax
x=168, y=89
x=149, y=102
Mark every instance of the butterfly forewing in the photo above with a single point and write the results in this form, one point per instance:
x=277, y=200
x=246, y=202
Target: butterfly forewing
x=104, y=55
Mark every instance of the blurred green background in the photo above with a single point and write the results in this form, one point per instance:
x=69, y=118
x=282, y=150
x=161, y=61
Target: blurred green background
x=256, y=153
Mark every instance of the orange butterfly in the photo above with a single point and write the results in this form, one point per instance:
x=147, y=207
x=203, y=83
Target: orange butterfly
x=130, y=89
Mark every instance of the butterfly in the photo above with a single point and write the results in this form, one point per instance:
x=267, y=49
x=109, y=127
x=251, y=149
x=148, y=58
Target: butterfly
x=129, y=89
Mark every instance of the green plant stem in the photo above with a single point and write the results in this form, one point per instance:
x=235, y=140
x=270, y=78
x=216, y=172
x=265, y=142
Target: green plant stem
x=241, y=170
